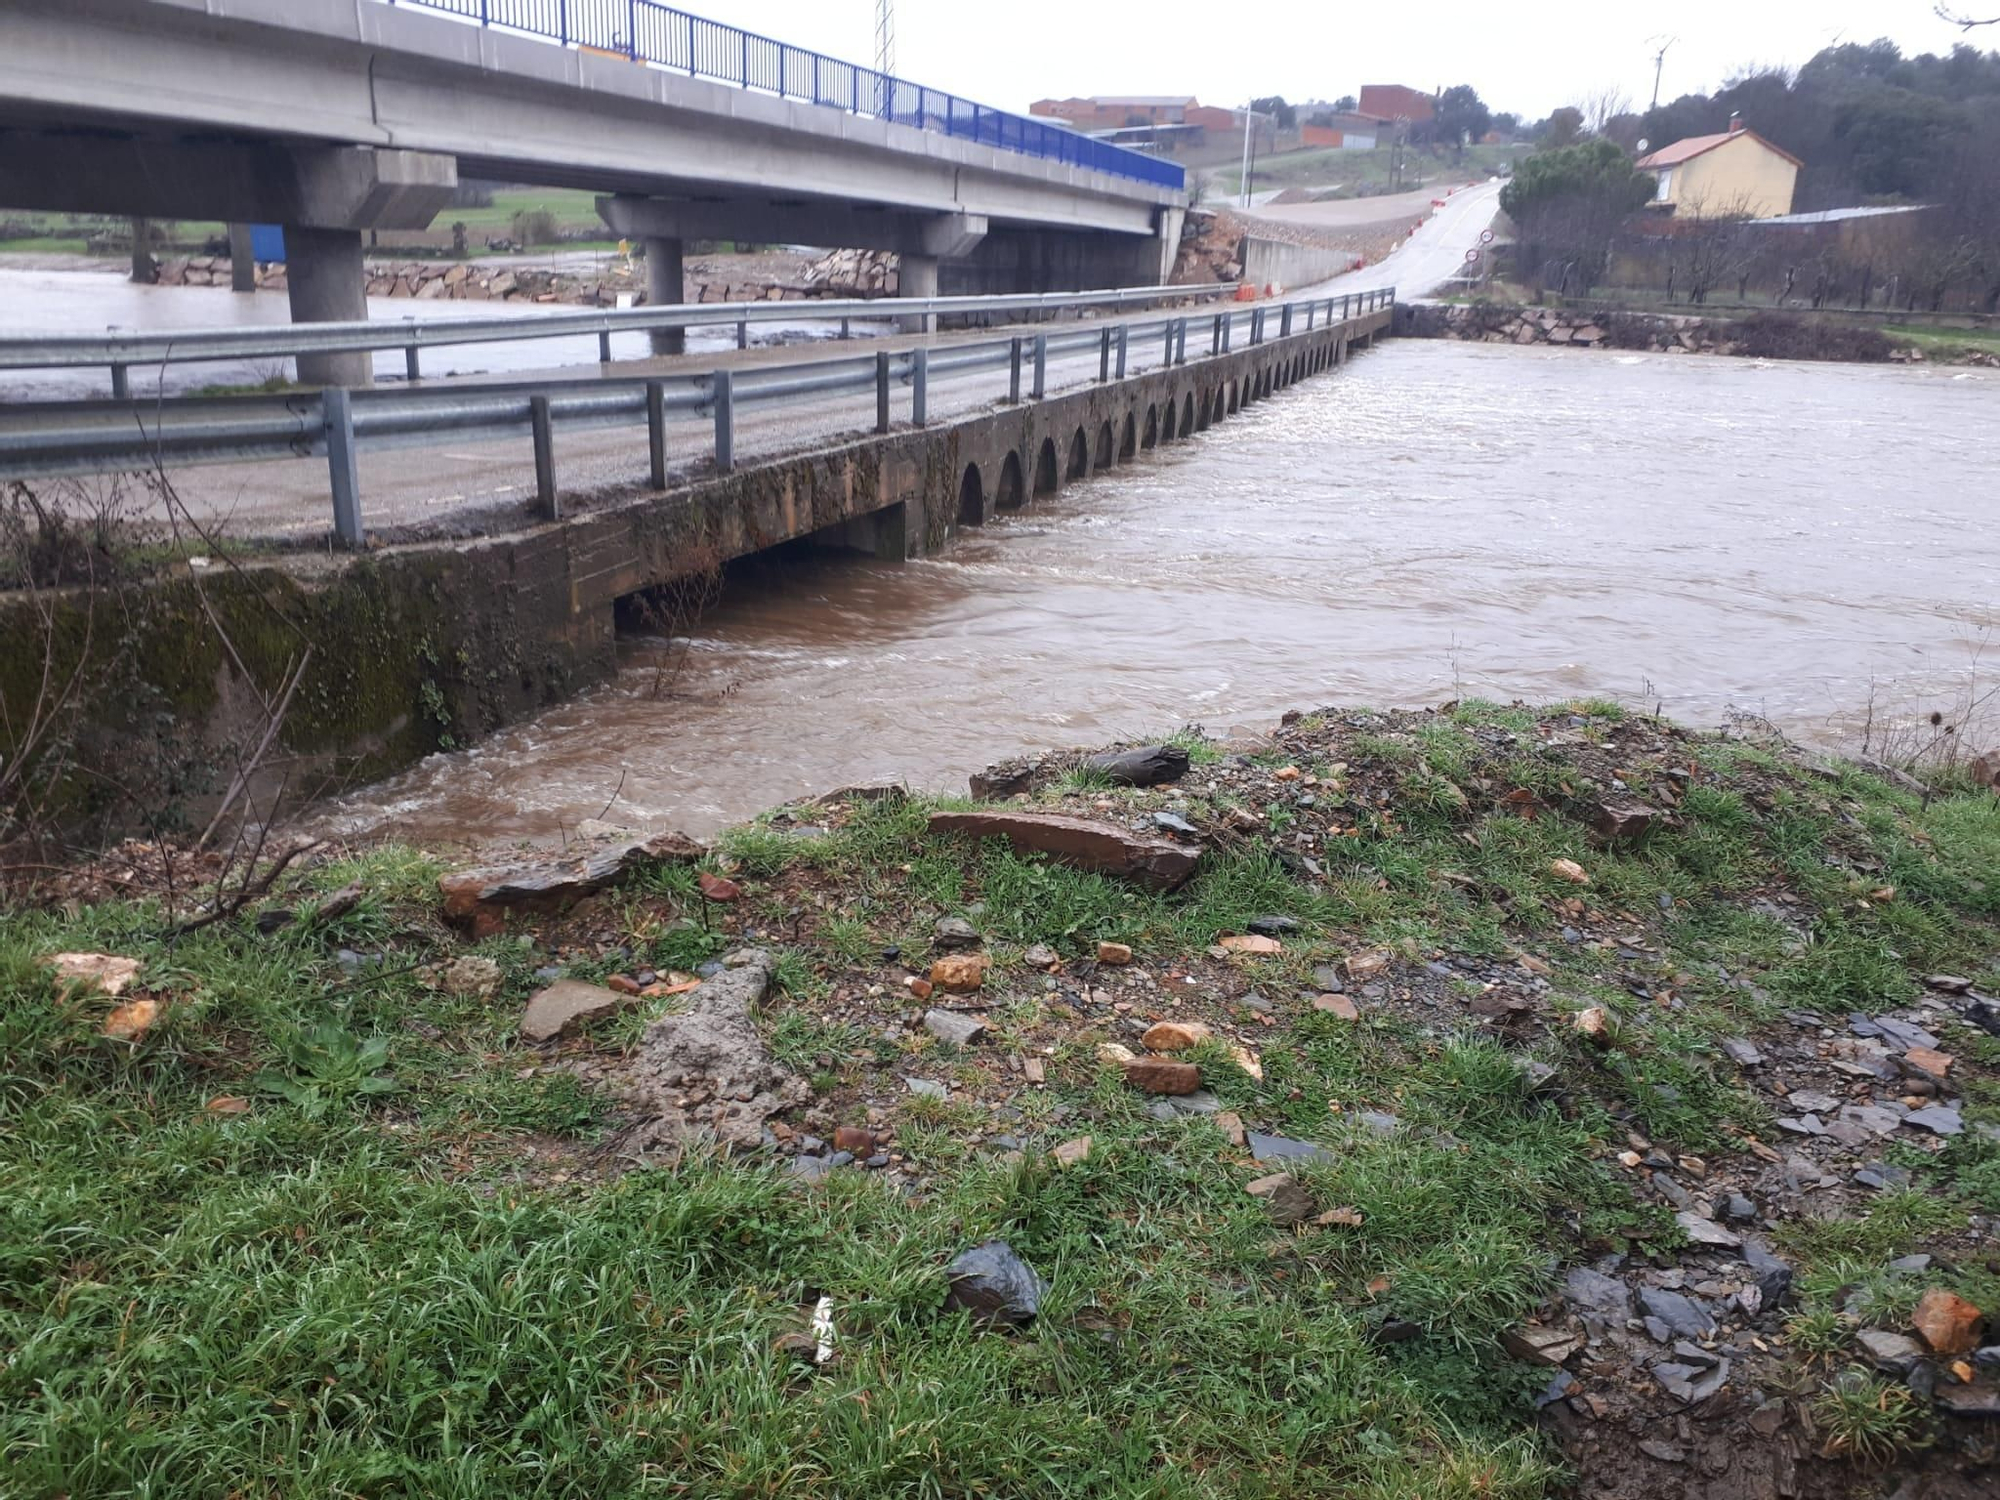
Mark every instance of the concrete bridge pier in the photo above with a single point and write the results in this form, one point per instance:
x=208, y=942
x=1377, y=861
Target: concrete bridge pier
x=327, y=283
x=917, y=276
x=666, y=286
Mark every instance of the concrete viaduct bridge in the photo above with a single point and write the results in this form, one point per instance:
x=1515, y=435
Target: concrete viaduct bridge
x=334, y=117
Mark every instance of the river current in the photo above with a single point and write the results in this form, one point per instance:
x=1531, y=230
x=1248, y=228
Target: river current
x=1715, y=537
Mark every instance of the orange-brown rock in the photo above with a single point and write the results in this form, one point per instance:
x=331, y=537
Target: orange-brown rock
x=1160, y=1075
x=1946, y=1321
x=1175, y=1036
x=1082, y=843
x=959, y=973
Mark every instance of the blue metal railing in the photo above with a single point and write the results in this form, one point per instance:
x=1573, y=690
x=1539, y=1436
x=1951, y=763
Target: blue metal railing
x=646, y=31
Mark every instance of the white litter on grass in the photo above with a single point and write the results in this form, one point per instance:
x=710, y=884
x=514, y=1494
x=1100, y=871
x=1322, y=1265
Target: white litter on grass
x=823, y=1330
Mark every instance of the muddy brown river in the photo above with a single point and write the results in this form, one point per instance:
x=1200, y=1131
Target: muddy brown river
x=1713, y=536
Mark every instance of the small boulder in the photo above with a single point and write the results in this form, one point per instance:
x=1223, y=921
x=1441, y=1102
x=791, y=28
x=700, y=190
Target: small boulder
x=1143, y=765
x=1947, y=1322
x=959, y=973
x=1082, y=843
x=1069, y=1153
x=950, y=1026
x=1175, y=1036
x=1041, y=956
x=1338, y=1006
x=566, y=1006
x=955, y=932
x=1284, y=1200
x=994, y=1284
x=1894, y=1353
x=1114, y=955
x=1542, y=1345
x=1159, y=1075
x=855, y=1139
x=1621, y=820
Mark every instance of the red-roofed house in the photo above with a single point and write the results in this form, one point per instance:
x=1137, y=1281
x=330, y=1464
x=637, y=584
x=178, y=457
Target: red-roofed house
x=1737, y=174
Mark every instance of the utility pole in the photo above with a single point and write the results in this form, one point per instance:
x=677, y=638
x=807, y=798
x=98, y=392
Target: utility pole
x=885, y=52
x=1249, y=125
x=1659, y=67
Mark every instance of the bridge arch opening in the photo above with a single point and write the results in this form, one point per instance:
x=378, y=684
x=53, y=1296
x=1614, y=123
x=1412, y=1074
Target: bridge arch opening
x=1105, y=446
x=1047, y=476
x=1187, y=414
x=971, y=498
x=1008, y=496
x=1150, y=438
x=1128, y=443
x=1079, y=457
x=1235, y=398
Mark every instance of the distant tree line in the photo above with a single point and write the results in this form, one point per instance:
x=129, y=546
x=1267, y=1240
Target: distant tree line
x=1873, y=127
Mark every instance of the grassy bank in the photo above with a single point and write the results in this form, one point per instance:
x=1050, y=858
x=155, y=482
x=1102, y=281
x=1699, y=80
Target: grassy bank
x=1362, y=174
x=329, y=1225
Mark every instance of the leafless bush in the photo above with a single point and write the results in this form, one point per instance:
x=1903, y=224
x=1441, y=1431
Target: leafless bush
x=90, y=748
x=1943, y=739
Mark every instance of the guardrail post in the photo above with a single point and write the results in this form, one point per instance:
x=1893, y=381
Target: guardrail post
x=725, y=422
x=1103, y=355
x=1215, y=336
x=1041, y=365
x=1121, y=350
x=1014, y=372
x=411, y=371
x=882, y=391
x=1285, y=322
x=920, y=374
x=1180, y=343
x=845, y=331
x=121, y=383
x=1228, y=330
x=562, y=20
x=632, y=30
x=604, y=347
x=547, y=506
x=743, y=333
x=656, y=431
x=1256, y=327
x=336, y=404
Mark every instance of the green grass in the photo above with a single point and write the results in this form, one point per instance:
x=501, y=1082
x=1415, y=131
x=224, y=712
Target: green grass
x=415, y=1267
x=1365, y=173
x=46, y=245
x=572, y=208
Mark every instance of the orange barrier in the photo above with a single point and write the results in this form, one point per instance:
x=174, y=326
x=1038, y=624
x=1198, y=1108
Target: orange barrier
x=1245, y=292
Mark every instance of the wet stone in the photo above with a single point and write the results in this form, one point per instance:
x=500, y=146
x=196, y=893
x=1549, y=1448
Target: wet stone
x=1938, y=1119
x=1890, y=1352
x=995, y=1284
x=1741, y=1052
x=1683, y=1316
x=1279, y=1148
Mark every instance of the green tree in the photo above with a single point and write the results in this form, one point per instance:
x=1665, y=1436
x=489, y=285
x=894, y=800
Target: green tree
x=1462, y=116
x=1344, y=105
x=1564, y=127
x=1274, y=105
x=1567, y=204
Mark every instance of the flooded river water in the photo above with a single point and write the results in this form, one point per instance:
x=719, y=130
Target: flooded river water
x=1436, y=519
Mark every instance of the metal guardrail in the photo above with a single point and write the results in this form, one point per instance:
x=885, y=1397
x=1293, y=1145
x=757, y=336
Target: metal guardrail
x=120, y=352
x=337, y=424
x=648, y=32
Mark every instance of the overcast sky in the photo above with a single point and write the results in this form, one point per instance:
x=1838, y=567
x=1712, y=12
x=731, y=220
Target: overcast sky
x=1525, y=57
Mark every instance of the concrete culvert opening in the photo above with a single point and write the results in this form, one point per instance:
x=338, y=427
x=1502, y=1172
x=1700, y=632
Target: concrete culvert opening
x=971, y=498
x=1151, y=437
x=1009, y=495
x=1129, y=443
x=1047, y=476
x=1105, y=443
x=1079, y=456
